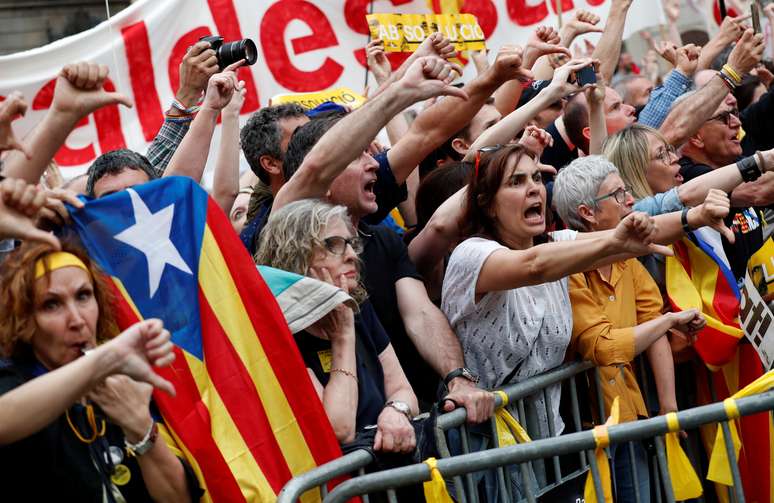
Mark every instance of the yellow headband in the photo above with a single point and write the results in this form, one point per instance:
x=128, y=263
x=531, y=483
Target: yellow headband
x=57, y=260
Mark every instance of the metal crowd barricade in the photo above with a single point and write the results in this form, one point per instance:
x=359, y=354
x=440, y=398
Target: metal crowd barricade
x=357, y=461
x=456, y=466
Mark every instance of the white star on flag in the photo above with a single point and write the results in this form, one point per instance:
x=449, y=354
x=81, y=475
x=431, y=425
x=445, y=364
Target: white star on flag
x=150, y=234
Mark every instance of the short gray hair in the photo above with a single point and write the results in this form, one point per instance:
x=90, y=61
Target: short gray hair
x=578, y=183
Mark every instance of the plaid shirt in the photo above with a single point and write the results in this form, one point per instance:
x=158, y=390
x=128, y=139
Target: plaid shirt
x=165, y=143
x=661, y=99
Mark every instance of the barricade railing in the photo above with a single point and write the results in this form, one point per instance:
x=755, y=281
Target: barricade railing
x=571, y=443
x=358, y=460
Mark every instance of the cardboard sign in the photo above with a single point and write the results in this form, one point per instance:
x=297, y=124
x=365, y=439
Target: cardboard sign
x=341, y=96
x=405, y=32
x=756, y=319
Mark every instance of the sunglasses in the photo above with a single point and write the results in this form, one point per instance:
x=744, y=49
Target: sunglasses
x=725, y=117
x=338, y=245
x=485, y=150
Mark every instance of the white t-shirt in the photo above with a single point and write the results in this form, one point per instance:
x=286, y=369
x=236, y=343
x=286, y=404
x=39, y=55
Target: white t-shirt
x=518, y=333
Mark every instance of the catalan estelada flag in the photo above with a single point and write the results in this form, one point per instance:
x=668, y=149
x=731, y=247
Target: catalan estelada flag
x=698, y=277
x=246, y=415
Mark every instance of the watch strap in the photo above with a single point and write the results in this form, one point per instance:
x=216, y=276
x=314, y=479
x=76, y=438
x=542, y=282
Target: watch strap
x=460, y=372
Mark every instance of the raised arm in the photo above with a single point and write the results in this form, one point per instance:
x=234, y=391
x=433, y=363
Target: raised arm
x=608, y=50
x=78, y=92
x=225, y=180
x=688, y=115
x=439, y=122
x=427, y=77
x=190, y=158
x=731, y=30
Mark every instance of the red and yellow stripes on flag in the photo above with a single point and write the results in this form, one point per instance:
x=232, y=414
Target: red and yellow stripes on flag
x=756, y=464
x=694, y=280
x=242, y=415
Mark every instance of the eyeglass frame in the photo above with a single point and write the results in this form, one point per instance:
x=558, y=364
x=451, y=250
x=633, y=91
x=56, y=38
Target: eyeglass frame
x=725, y=117
x=621, y=190
x=668, y=150
x=354, y=242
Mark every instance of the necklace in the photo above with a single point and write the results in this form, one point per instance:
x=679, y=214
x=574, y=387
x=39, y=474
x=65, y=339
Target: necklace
x=92, y=423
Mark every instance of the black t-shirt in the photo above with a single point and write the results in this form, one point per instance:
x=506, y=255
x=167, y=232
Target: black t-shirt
x=371, y=342
x=386, y=261
x=746, y=223
x=387, y=191
x=54, y=465
x=559, y=154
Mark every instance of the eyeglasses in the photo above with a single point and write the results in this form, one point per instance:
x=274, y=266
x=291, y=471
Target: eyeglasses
x=618, y=194
x=338, y=245
x=484, y=150
x=665, y=154
x=725, y=117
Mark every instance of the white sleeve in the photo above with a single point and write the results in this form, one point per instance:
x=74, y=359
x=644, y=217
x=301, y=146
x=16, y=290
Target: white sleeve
x=458, y=297
x=564, y=235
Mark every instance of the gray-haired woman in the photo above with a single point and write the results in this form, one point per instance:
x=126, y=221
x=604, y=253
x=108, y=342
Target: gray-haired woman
x=348, y=355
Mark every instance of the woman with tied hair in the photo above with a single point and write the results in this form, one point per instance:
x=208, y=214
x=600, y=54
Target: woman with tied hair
x=348, y=355
x=649, y=166
x=505, y=294
x=617, y=308
x=75, y=417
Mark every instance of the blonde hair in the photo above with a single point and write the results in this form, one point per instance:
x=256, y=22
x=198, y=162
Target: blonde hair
x=293, y=234
x=629, y=150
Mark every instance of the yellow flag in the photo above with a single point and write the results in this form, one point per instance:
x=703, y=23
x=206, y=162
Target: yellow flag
x=602, y=439
x=685, y=482
x=435, y=489
x=720, y=466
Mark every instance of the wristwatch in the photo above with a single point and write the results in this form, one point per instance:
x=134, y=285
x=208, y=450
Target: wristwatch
x=463, y=372
x=401, y=407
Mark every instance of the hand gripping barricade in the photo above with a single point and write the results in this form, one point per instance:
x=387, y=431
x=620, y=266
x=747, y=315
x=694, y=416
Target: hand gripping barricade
x=453, y=424
x=456, y=466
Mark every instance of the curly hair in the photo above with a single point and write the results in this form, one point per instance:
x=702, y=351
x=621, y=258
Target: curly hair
x=17, y=289
x=293, y=234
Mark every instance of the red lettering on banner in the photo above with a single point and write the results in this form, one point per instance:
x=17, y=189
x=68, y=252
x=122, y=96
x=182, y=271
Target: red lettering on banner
x=146, y=97
x=226, y=21
x=107, y=121
x=526, y=15
x=179, y=51
x=272, y=31
x=595, y=3
x=355, y=15
x=567, y=5
x=485, y=12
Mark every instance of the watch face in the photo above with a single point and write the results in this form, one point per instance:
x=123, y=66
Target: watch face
x=467, y=374
x=400, y=406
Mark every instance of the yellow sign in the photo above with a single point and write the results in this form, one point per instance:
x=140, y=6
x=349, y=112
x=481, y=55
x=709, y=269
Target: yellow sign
x=404, y=32
x=340, y=96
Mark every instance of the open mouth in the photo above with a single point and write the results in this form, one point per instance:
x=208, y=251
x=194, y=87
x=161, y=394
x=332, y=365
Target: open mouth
x=534, y=213
x=369, y=186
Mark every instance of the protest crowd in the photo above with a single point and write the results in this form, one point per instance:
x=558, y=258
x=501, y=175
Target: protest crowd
x=562, y=205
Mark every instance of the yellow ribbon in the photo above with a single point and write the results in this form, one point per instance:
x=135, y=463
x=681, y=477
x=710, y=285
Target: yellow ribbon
x=509, y=431
x=720, y=466
x=435, y=488
x=685, y=482
x=602, y=438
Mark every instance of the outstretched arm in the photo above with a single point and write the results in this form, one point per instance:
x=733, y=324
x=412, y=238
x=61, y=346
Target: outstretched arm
x=426, y=78
x=78, y=92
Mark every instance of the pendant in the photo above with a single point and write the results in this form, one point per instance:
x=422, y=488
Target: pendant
x=121, y=475
x=116, y=455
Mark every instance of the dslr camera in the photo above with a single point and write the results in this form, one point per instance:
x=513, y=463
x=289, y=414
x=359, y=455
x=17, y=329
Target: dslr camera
x=231, y=52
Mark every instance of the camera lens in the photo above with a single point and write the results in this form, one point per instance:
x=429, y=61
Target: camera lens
x=234, y=51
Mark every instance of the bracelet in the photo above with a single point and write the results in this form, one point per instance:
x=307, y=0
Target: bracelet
x=732, y=73
x=684, y=220
x=179, y=106
x=727, y=80
x=761, y=161
x=748, y=167
x=145, y=444
x=179, y=119
x=346, y=373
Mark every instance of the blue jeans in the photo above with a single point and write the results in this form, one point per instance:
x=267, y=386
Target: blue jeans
x=623, y=472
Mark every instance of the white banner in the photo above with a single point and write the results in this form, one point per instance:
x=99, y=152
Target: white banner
x=303, y=46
